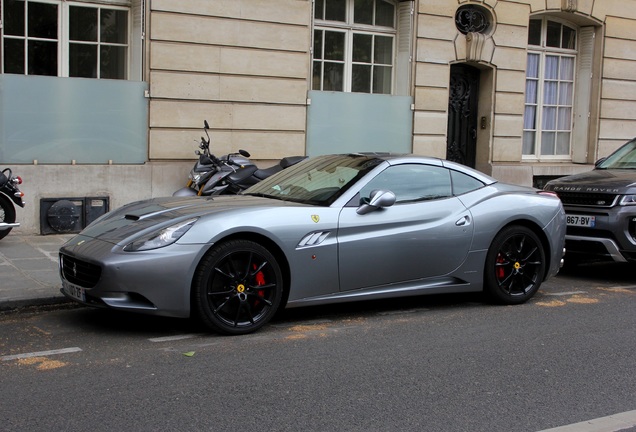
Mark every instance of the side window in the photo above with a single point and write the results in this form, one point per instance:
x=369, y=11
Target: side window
x=463, y=183
x=412, y=183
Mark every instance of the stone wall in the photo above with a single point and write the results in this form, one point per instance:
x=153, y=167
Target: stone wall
x=242, y=65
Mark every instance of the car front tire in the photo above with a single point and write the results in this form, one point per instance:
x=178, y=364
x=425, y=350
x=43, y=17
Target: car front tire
x=238, y=287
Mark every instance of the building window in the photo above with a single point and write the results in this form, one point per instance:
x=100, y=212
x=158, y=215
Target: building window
x=354, y=46
x=69, y=39
x=550, y=74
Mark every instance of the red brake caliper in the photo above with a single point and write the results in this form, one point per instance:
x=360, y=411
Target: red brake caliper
x=501, y=273
x=260, y=281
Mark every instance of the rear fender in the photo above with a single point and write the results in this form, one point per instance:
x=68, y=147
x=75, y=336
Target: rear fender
x=185, y=192
x=10, y=194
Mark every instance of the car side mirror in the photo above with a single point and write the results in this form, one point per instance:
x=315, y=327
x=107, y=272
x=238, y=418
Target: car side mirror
x=377, y=199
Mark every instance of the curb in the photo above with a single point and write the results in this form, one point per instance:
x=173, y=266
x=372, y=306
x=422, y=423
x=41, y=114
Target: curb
x=20, y=305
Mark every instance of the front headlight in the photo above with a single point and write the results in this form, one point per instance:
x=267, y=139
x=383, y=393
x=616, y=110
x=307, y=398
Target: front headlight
x=197, y=176
x=163, y=237
x=628, y=200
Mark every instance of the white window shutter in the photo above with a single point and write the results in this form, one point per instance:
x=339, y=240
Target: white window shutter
x=404, y=48
x=583, y=93
x=137, y=40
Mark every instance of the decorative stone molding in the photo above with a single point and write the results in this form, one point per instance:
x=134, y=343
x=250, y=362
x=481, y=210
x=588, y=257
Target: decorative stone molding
x=569, y=5
x=472, y=18
x=475, y=46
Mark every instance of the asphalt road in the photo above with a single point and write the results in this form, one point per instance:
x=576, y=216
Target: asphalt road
x=438, y=363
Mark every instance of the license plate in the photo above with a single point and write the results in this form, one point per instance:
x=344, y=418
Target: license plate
x=581, y=221
x=74, y=291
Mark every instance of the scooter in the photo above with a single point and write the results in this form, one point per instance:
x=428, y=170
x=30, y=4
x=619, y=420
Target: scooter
x=228, y=175
x=9, y=194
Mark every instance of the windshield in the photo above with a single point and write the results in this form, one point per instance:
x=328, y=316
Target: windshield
x=318, y=180
x=623, y=158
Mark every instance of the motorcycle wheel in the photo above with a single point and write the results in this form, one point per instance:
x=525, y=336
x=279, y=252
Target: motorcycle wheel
x=7, y=214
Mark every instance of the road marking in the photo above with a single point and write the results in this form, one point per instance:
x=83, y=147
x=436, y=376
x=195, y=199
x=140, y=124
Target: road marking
x=566, y=293
x=174, y=338
x=40, y=354
x=613, y=423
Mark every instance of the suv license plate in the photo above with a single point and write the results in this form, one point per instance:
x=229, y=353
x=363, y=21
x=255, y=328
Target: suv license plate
x=74, y=291
x=581, y=221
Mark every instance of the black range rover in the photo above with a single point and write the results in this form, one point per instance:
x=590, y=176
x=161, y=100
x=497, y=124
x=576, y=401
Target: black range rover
x=601, y=208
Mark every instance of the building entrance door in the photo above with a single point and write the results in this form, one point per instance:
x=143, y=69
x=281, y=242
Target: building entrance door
x=461, y=136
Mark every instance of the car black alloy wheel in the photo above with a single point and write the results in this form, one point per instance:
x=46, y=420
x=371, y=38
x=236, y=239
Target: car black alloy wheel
x=238, y=287
x=515, y=265
x=7, y=214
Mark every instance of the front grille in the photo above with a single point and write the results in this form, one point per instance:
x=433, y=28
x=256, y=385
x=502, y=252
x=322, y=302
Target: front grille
x=585, y=246
x=587, y=199
x=589, y=232
x=629, y=256
x=79, y=272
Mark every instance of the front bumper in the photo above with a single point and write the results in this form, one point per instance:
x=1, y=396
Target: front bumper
x=156, y=282
x=612, y=238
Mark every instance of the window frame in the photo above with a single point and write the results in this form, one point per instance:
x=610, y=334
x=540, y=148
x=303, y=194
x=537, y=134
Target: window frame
x=543, y=52
x=63, y=36
x=349, y=29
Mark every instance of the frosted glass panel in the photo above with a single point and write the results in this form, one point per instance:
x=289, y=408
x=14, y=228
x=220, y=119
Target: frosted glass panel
x=57, y=120
x=340, y=122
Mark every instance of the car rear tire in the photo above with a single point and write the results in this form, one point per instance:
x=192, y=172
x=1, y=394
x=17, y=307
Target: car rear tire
x=7, y=214
x=238, y=287
x=515, y=265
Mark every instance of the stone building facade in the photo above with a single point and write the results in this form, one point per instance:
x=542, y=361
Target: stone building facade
x=108, y=98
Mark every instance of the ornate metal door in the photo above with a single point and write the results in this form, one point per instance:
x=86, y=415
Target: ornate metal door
x=461, y=136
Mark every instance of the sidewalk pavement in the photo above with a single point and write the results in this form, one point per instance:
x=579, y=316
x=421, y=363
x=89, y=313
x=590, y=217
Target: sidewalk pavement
x=29, y=271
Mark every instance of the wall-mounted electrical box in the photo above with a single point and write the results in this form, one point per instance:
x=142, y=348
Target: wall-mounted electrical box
x=70, y=215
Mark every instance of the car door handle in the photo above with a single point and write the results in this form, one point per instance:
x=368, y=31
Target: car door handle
x=465, y=220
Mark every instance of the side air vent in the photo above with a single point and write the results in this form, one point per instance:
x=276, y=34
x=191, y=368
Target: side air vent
x=313, y=239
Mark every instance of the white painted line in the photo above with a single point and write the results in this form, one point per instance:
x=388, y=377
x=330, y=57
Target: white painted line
x=566, y=293
x=174, y=338
x=40, y=354
x=613, y=423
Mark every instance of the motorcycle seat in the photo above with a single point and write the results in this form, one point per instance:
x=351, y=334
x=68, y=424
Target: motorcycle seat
x=285, y=162
x=291, y=160
x=263, y=173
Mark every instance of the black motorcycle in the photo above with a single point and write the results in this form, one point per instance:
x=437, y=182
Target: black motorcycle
x=9, y=194
x=229, y=174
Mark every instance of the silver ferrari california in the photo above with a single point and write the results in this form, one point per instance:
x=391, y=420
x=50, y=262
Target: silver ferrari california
x=334, y=228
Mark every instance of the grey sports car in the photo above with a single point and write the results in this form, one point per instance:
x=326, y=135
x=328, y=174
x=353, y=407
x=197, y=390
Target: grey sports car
x=333, y=228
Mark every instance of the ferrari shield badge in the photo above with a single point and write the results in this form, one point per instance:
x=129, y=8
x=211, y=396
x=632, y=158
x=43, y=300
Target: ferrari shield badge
x=315, y=218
